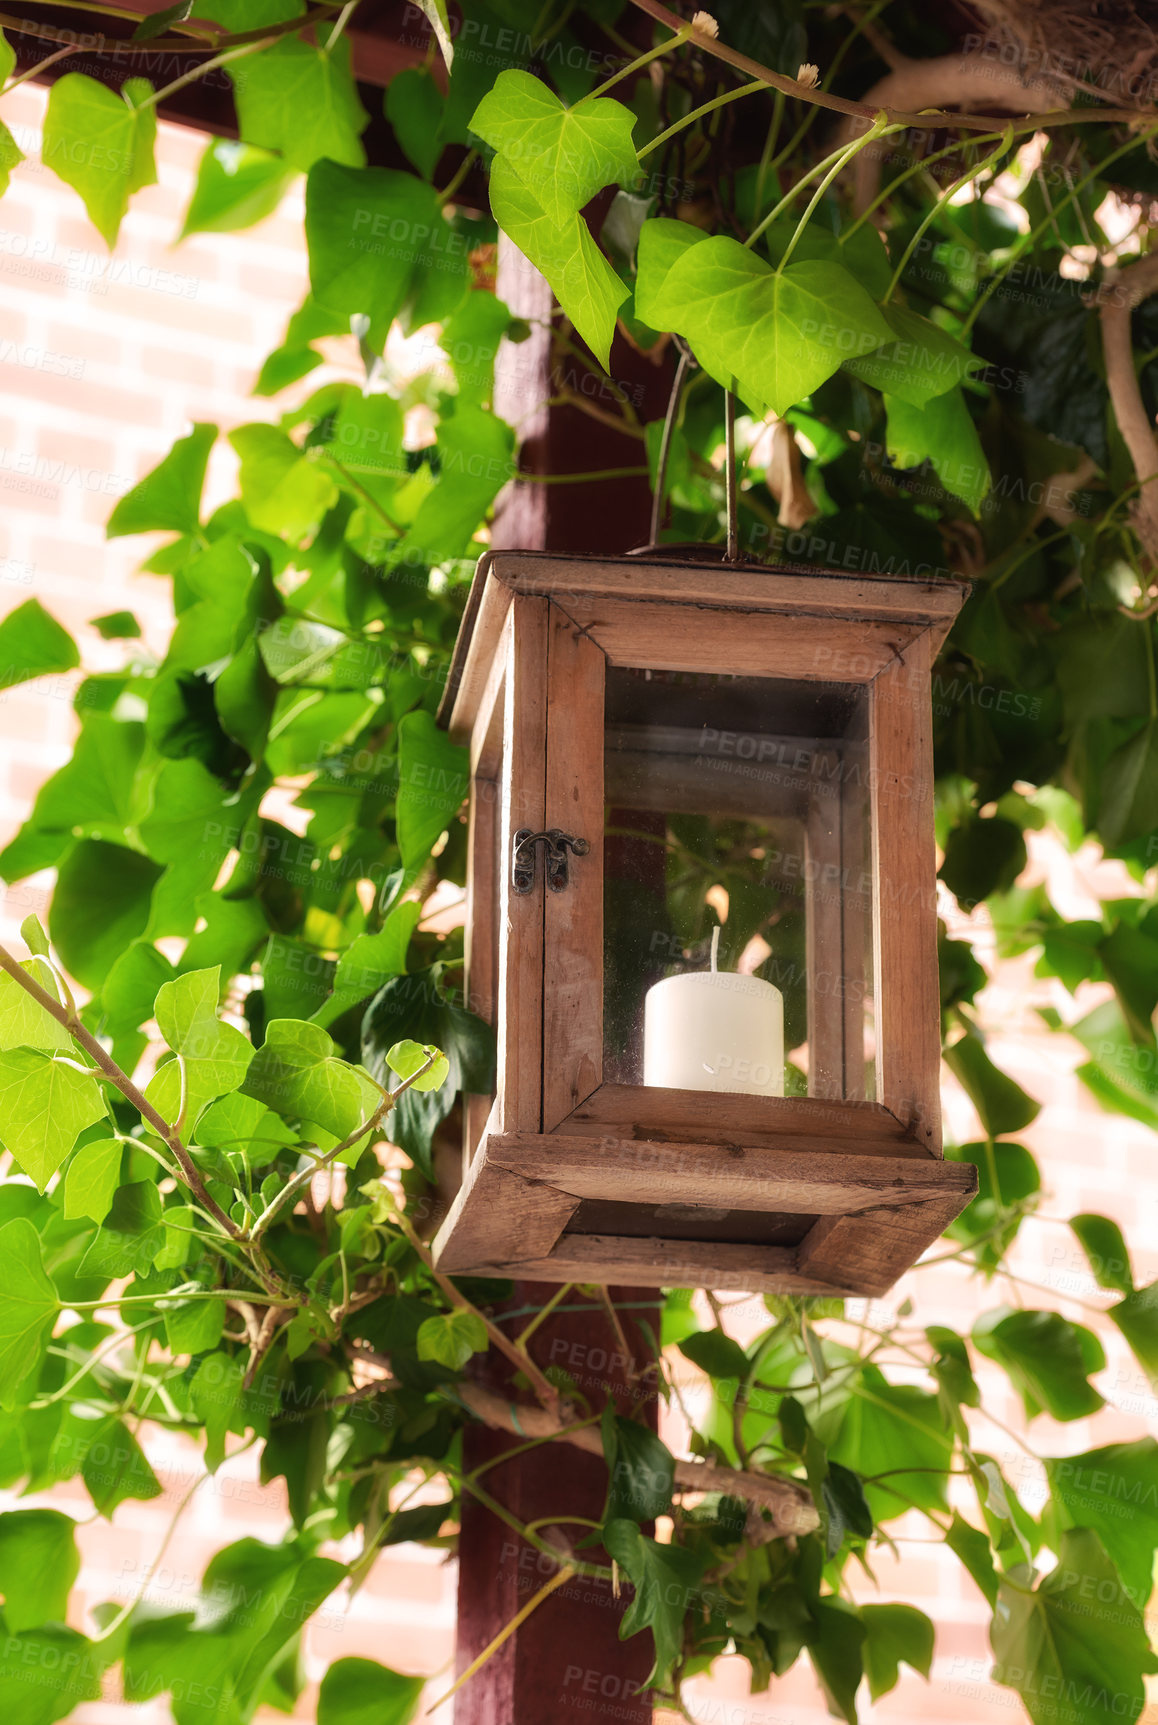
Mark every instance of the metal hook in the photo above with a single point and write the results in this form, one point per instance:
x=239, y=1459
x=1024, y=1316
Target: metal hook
x=523, y=854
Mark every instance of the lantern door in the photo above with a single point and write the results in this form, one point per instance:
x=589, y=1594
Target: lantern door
x=723, y=780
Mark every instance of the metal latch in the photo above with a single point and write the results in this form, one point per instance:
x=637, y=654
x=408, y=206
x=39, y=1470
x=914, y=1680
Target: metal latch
x=558, y=843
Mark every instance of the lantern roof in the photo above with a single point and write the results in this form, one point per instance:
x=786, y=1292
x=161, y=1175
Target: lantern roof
x=929, y=599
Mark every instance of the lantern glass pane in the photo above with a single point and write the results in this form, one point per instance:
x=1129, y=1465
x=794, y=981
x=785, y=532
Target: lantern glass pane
x=743, y=805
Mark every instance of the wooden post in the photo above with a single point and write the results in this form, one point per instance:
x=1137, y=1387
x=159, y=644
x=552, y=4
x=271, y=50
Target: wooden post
x=567, y=1656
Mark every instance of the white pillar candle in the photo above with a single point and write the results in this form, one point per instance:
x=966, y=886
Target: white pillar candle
x=714, y=1030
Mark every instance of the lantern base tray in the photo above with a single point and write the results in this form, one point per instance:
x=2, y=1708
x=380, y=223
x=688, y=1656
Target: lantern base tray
x=539, y=1207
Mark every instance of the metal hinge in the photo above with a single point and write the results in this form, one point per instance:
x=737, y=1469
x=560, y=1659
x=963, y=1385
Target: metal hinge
x=558, y=843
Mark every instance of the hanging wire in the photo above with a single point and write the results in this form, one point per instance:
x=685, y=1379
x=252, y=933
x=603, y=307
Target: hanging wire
x=673, y=402
x=732, y=553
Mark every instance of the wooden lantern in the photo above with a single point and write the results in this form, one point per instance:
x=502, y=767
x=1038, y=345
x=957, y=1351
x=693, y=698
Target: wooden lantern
x=660, y=749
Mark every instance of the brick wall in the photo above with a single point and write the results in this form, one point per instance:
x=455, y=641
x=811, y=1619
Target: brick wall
x=102, y=364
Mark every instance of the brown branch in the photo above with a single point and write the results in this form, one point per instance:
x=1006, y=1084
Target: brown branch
x=790, y=1505
x=1125, y=290
x=861, y=110
x=166, y=1133
x=542, y=1385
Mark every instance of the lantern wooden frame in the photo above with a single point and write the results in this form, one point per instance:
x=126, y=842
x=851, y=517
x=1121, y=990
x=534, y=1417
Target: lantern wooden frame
x=567, y=1178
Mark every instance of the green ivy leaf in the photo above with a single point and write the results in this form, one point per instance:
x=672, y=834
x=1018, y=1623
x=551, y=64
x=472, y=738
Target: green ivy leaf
x=581, y=278
x=1103, y=1243
x=942, y=433
x=301, y=101
x=1077, y=1635
x=451, y=1338
x=370, y=231
x=46, y=1672
x=777, y=334
x=45, y=1103
x=100, y=142
x=476, y=450
x=1048, y=1360
x=33, y=644
x=362, y=1692
x=1008, y=1183
x=666, y=1579
x=1001, y=1104
x=972, y=1547
x=157, y=23
x=39, y=1562
x=295, y=1073
x=834, y=1644
x=922, y=362
x=132, y=1234
x=895, y=1635
x=28, y=1308
x=414, y=106
x=887, y=1429
x=563, y=156
x=284, y=491
x=1121, y=1075
x=216, y=1397
x=433, y=780
x=1128, y=800
x=1114, y=1491
x=121, y=882
x=715, y=1353
x=1137, y=1318
x=168, y=498
x=370, y=961
x=24, y=1023
x=115, y=1468
x=411, y=1007
x=409, y=1057
x=213, y=1057
x=92, y=1178
x=845, y=1507
x=237, y=186
x=194, y=1326
x=982, y=856
x=640, y=1469
x=662, y=242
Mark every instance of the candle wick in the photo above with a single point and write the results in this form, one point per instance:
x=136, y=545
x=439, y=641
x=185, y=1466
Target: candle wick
x=715, y=944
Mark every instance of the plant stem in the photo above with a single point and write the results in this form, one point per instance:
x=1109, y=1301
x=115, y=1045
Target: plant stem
x=682, y=34
x=459, y=175
x=698, y=113
x=946, y=197
x=917, y=167
x=543, y=1387
x=582, y=478
x=879, y=128
x=196, y=72
x=42, y=65
x=836, y=156
x=504, y=1633
x=544, y=1312
x=294, y=1186
x=167, y=1134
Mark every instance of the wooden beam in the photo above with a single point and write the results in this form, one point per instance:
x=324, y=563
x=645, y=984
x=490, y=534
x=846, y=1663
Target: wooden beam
x=867, y=1252
x=734, y=1177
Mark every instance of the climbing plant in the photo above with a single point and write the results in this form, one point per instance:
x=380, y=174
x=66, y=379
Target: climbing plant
x=939, y=329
